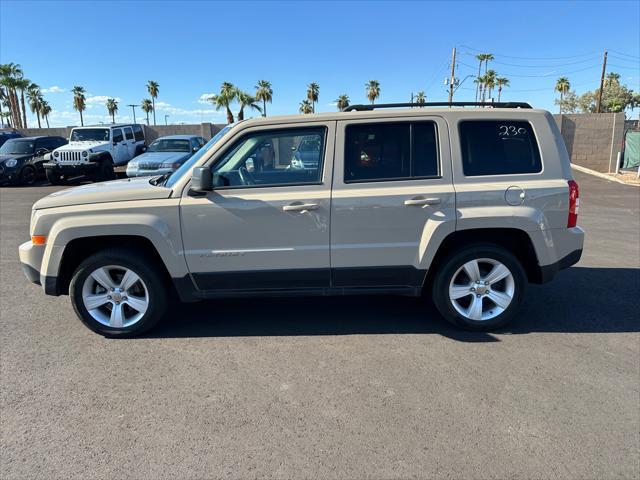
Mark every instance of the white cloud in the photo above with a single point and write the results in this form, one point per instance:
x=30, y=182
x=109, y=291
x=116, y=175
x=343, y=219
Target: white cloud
x=94, y=99
x=205, y=98
x=162, y=105
x=53, y=89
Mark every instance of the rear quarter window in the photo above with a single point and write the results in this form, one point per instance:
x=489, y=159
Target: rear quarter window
x=498, y=147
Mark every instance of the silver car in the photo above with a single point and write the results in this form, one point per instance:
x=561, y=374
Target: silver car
x=165, y=155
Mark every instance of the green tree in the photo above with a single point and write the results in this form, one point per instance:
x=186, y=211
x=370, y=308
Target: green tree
x=112, y=108
x=615, y=98
x=342, y=101
x=79, y=101
x=264, y=93
x=372, y=89
x=224, y=99
x=45, y=110
x=612, y=78
x=501, y=82
x=153, y=88
x=306, y=107
x=420, y=98
x=482, y=58
x=489, y=83
x=313, y=93
x=570, y=102
x=22, y=84
x=147, y=107
x=34, y=97
x=10, y=74
x=562, y=85
x=246, y=100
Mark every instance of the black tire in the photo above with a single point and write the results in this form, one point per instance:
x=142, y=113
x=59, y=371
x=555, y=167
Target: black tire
x=28, y=175
x=448, y=268
x=55, y=178
x=151, y=276
x=104, y=171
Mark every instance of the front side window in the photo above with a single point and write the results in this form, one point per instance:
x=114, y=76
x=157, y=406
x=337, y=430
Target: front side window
x=273, y=158
x=390, y=151
x=502, y=147
x=117, y=136
x=90, y=135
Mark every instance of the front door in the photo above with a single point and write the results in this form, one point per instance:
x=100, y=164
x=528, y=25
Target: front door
x=120, y=151
x=265, y=225
x=392, y=195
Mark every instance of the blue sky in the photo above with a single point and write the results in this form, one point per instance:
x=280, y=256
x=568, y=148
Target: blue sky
x=113, y=48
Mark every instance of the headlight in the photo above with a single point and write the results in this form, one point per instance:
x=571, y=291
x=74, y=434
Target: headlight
x=84, y=154
x=11, y=163
x=56, y=154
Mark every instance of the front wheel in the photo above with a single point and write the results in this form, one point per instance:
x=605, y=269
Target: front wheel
x=104, y=171
x=115, y=293
x=55, y=178
x=480, y=287
x=28, y=175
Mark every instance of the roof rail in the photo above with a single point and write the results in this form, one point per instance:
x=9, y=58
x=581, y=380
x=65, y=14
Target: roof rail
x=359, y=108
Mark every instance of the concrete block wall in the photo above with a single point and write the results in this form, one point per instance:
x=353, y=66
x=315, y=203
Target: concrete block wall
x=593, y=140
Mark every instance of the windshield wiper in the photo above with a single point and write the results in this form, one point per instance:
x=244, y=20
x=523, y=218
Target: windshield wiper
x=161, y=179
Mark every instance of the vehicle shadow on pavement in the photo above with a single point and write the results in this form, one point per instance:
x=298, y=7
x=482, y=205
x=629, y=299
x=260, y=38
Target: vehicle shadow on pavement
x=579, y=300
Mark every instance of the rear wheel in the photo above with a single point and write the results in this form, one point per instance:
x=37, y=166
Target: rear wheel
x=117, y=294
x=480, y=287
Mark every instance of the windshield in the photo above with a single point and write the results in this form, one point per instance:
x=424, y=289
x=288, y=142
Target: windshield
x=17, y=146
x=90, y=135
x=186, y=166
x=170, y=146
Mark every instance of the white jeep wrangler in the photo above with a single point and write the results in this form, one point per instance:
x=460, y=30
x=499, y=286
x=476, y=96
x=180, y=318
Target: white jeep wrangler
x=94, y=151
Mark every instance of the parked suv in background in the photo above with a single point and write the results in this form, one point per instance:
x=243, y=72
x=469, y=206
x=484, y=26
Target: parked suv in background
x=164, y=155
x=464, y=205
x=22, y=158
x=94, y=151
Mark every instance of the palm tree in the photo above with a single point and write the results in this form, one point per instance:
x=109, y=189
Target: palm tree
x=3, y=101
x=562, y=86
x=79, y=101
x=420, y=98
x=264, y=93
x=480, y=58
x=147, y=107
x=342, y=101
x=23, y=84
x=501, y=82
x=313, y=93
x=372, y=90
x=613, y=78
x=487, y=57
x=489, y=82
x=45, y=110
x=246, y=100
x=153, y=89
x=112, y=108
x=224, y=99
x=306, y=107
x=10, y=73
x=35, y=100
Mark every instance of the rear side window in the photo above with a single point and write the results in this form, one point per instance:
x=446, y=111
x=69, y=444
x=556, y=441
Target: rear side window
x=390, y=151
x=138, y=133
x=498, y=148
x=128, y=133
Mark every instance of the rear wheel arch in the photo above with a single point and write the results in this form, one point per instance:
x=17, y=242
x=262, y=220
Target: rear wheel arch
x=516, y=241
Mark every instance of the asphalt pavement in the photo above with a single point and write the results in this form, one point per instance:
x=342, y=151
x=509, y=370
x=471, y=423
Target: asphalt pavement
x=370, y=387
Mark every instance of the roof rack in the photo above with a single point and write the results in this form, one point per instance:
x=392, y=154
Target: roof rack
x=359, y=108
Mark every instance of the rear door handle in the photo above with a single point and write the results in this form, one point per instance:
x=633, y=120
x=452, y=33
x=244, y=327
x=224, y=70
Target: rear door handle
x=421, y=201
x=300, y=207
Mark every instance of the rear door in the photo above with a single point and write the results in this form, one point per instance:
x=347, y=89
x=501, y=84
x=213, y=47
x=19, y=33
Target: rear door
x=130, y=141
x=392, y=195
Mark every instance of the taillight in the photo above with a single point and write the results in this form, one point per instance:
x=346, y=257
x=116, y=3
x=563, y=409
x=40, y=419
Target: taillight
x=574, y=204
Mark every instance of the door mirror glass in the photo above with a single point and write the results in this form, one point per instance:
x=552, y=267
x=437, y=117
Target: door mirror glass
x=201, y=180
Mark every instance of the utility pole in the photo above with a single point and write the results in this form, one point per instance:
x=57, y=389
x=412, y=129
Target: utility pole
x=453, y=74
x=133, y=107
x=604, y=67
x=165, y=119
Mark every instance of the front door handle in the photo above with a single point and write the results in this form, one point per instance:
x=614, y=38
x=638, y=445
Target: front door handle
x=300, y=207
x=421, y=201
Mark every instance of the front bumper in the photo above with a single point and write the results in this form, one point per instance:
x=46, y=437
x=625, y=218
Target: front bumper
x=9, y=176
x=31, y=259
x=71, y=169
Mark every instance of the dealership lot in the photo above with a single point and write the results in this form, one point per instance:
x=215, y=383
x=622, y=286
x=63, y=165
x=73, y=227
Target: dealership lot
x=333, y=388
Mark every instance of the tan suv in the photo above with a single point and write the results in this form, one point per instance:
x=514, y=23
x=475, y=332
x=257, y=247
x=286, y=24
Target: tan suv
x=466, y=205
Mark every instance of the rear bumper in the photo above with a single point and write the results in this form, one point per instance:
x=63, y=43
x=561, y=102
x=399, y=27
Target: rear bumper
x=548, y=272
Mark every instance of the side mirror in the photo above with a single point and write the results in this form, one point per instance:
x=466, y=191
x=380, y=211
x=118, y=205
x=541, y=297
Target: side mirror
x=201, y=180
x=195, y=149
x=41, y=151
x=144, y=148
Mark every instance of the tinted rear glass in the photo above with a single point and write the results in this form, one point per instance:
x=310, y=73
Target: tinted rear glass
x=501, y=147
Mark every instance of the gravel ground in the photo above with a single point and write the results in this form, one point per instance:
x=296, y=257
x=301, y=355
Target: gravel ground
x=332, y=388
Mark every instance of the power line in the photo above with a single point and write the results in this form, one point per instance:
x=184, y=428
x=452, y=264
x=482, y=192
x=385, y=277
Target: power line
x=625, y=54
x=531, y=58
x=539, y=76
x=545, y=66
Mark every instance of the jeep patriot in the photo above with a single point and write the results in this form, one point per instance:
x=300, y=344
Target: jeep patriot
x=463, y=205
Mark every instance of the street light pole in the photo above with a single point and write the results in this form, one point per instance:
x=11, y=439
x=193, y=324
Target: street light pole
x=133, y=107
x=165, y=119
